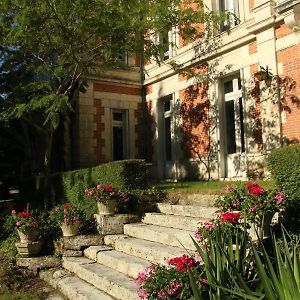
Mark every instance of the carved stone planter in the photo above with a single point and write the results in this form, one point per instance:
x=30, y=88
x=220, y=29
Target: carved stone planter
x=29, y=249
x=30, y=235
x=70, y=229
x=109, y=207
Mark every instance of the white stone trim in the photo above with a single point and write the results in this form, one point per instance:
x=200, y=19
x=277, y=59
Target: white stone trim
x=287, y=41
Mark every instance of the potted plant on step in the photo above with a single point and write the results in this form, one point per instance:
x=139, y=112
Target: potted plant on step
x=107, y=198
x=256, y=205
x=68, y=217
x=29, y=226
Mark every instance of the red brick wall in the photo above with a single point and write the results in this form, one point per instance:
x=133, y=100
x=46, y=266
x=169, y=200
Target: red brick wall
x=199, y=27
x=111, y=88
x=282, y=31
x=192, y=72
x=98, y=133
x=290, y=83
x=252, y=48
x=251, y=5
x=149, y=89
x=99, y=119
x=195, y=121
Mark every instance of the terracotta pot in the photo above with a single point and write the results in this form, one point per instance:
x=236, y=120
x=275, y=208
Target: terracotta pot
x=109, y=207
x=70, y=229
x=30, y=235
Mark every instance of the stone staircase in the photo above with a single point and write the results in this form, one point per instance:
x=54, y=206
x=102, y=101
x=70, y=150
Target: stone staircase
x=108, y=271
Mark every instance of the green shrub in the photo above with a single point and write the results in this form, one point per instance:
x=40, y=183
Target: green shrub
x=284, y=165
x=69, y=186
x=124, y=175
x=8, y=247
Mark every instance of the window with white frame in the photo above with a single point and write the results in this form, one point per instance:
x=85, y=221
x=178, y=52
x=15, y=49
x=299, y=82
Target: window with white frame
x=165, y=41
x=232, y=11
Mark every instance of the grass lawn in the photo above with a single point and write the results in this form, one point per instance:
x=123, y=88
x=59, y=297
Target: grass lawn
x=215, y=187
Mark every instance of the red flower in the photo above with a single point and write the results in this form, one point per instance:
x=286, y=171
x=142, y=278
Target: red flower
x=231, y=217
x=24, y=214
x=255, y=189
x=109, y=188
x=182, y=263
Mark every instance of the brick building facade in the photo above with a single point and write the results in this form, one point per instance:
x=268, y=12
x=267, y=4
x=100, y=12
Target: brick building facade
x=242, y=102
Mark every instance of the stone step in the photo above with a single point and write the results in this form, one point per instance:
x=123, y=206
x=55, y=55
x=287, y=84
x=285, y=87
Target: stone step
x=173, y=221
x=72, y=287
x=152, y=251
x=122, y=262
x=187, y=210
x=192, y=199
x=103, y=278
x=164, y=235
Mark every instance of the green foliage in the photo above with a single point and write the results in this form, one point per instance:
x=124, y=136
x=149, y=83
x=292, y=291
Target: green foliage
x=226, y=260
x=8, y=246
x=20, y=296
x=17, y=283
x=124, y=175
x=284, y=165
x=169, y=282
x=24, y=221
x=253, y=201
x=65, y=214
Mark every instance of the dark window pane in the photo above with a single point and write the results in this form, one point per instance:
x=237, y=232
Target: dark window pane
x=230, y=127
x=167, y=105
x=168, y=141
x=118, y=143
x=118, y=116
x=228, y=87
x=242, y=125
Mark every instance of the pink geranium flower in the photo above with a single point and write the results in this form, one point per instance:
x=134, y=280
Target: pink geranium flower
x=279, y=197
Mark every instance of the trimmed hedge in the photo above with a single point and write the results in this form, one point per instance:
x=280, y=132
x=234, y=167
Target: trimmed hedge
x=123, y=175
x=284, y=165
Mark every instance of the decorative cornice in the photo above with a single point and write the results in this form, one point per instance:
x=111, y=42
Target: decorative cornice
x=293, y=18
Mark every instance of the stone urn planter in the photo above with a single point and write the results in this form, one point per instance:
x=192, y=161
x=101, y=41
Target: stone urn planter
x=29, y=245
x=262, y=228
x=30, y=235
x=29, y=249
x=108, y=207
x=70, y=229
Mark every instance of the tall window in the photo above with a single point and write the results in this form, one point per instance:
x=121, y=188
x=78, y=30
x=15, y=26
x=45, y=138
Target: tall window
x=167, y=127
x=232, y=8
x=234, y=117
x=119, y=134
x=165, y=43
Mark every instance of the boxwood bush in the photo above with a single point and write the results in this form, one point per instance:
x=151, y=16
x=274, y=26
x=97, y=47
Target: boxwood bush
x=284, y=165
x=123, y=175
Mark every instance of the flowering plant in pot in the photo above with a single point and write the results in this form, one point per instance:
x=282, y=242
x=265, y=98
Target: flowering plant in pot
x=107, y=198
x=68, y=217
x=256, y=204
x=169, y=281
x=228, y=225
x=253, y=201
x=28, y=224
